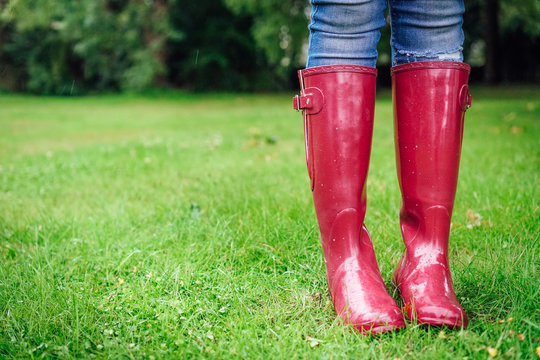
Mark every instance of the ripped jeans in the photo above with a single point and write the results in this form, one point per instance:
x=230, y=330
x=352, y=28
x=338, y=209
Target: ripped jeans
x=347, y=31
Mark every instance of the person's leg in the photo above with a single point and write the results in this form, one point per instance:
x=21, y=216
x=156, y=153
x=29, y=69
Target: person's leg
x=426, y=30
x=430, y=96
x=345, y=32
x=338, y=100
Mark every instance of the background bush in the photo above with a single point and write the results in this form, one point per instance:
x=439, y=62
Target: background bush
x=71, y=47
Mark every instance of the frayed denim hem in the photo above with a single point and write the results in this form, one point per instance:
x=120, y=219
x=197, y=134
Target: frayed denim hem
x=407, y=56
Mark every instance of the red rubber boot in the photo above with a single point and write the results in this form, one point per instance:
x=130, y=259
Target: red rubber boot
x=430, y=99
x=338, y=104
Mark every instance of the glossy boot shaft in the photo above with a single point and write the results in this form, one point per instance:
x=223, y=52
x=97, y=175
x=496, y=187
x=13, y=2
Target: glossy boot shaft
x=338, y=105
x=430, y=100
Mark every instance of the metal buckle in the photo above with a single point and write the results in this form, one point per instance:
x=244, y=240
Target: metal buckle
x=296, y=103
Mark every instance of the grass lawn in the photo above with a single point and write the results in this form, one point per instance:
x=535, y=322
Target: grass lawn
x=182, y=226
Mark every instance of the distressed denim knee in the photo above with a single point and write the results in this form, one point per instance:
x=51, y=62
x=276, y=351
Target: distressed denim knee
x=345, y=32
x=426, y=30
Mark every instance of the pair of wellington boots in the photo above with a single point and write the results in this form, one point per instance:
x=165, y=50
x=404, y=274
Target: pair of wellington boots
x=430, y=100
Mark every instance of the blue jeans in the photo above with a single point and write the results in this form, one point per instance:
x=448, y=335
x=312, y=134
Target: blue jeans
x=347, y=31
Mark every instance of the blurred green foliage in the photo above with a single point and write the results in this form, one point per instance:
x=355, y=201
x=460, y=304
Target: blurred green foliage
x=72, y=47
x=217, y=49
x=279, y=28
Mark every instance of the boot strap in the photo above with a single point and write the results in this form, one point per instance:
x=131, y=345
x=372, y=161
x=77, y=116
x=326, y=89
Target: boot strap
x=464, y=98
x=312, y=101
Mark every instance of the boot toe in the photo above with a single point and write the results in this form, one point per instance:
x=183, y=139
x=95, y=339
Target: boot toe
x=439, y=315
x=384, y=321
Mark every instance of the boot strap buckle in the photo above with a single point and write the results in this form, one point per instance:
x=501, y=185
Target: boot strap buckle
x=464, y=98
x=302, y=102
x=312, y=101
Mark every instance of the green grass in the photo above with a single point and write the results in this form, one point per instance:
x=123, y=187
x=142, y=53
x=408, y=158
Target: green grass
x=182, y=226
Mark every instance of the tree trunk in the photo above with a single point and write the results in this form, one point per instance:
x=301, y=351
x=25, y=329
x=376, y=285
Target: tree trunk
x=156, y=39
x=492, y=70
